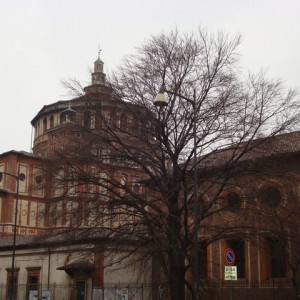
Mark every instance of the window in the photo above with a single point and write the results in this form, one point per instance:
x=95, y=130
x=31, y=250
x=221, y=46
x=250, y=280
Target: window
x=276, y=258
x=51, y=121
x=38, y=181
x=136, y=185
x=73, y=216
x=32, y=286
x=231, y=201
x=62, y=118
x=58, y=183
x=87, y=118
x=12, y=285
x=123, y=181
x=123, y=122
x=44, y=124
x=136, y=127
x=55, y=214
x=270, y=196
x=202, y=260
x=98, y=120
x=93, y=214
x=112, y=118
x=238, y=247
x=103, y=184
x=41, y=214
x=104, y=155
x=67, y=115
x=72, y=183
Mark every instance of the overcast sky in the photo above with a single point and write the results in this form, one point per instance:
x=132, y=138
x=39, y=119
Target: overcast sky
x=46, y=41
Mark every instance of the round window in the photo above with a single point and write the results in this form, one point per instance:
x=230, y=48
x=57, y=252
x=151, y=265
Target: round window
x=232, y=202
x=38, y=179
x=271, y=196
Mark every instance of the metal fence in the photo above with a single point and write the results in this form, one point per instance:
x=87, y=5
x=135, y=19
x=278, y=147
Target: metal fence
x=71, y=292
x=235, y=291
x=143, y=292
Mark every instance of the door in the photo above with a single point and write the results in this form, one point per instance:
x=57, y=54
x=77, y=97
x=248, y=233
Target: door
x=80, y=287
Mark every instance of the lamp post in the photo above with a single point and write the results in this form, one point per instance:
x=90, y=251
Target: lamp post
x=161, y=101
x=19, y=177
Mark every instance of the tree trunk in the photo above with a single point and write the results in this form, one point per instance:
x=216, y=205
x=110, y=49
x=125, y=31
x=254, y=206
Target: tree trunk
x=176, y=252
x=177, y=282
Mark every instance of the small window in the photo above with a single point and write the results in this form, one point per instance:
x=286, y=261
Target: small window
x=112, y=118
x=123, y=182
x=98, y=120
x=44, y=124
x=123, y=122
x=136, y=187
x=51, y=121
x=87, y=118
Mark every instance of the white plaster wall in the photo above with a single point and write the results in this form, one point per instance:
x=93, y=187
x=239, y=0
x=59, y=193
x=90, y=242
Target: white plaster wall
x=118, y=274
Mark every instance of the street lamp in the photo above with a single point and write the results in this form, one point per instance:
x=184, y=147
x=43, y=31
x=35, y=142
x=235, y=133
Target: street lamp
x=161, y=101
x=19, y=177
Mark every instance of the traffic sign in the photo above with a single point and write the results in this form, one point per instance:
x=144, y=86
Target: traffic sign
x=230, y=273
x=229, y=257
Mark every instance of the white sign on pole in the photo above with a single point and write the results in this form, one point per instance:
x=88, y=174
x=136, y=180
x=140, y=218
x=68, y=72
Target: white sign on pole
x=230, y=273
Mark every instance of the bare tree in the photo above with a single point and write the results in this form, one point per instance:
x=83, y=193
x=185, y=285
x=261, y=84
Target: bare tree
x=73, y=86
x=154, y=147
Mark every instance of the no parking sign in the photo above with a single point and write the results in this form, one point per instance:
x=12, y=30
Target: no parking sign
x=229, y=257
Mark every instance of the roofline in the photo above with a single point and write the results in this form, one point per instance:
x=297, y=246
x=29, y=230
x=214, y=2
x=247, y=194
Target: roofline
x=21, y=153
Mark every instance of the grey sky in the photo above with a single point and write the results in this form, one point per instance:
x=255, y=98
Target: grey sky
x=46, y=41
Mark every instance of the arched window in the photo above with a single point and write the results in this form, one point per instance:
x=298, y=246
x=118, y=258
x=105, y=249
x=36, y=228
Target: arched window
x=44, y=124
x=87, y=119
x=51, y=121
x=67, y=116
x=98, y=120
x=123, y=122
x=62, y=118
x=112, y=118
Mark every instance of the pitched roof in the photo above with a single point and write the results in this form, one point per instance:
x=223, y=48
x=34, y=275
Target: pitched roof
x=277, y=145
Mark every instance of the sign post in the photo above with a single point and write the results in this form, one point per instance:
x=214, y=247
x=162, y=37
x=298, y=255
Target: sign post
x=230, y=268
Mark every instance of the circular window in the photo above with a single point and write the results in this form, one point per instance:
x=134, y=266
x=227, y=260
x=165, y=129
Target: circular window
x=22, y=177
x=38, y=179
x=232, y=202
x=271, y=196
